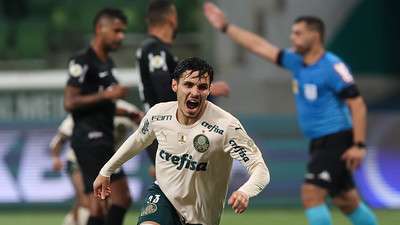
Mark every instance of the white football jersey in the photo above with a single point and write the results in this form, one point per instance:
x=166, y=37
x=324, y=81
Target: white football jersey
x=193, y=162
x=122, y=127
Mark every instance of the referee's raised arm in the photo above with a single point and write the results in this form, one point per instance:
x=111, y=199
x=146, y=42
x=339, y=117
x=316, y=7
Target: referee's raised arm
x=246, y=39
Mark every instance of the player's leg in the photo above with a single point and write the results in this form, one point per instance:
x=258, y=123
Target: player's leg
x=157, y=209
x=90, y=161
x=120, y=199
x=350, y=204
x=81, y=211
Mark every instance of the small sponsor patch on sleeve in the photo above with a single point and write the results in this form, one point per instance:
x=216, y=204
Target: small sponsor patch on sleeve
x=343, y=72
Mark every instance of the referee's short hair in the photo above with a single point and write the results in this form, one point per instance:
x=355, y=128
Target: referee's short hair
x=110, y=13
x=157, y=11
x=314, y=23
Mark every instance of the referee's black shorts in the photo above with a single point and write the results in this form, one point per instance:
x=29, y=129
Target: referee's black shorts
x=91, y=160
x=326, y=169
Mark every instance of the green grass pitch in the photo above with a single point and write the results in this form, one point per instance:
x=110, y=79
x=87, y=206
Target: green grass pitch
x=253, y=216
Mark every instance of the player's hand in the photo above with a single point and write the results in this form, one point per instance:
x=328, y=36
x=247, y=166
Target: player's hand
x=136, y=116
x=353, y=157
x=115, y=92
x=220, y=88
x=57, y=163
x=214, y=15
x=101, y=187
x=239, y=201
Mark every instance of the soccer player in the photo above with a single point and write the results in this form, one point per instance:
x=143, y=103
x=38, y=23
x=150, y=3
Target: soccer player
x=156, y=61
x=79, y=213
x=89, y=96
x=197, y=144
x=330, y=109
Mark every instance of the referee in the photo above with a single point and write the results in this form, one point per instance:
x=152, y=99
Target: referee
x=89, y=96
x=331, y=112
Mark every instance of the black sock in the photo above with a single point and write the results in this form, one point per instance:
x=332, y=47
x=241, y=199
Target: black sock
x=115, y=215
x=95, y=220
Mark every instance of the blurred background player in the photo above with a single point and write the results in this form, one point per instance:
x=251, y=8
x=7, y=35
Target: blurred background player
x=193, y=163
x=90, y=96
x=79, y=213
x=331, y=113
x=157, y=62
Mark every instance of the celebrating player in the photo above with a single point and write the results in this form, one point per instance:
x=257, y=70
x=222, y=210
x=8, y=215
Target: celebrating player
x=197, y=144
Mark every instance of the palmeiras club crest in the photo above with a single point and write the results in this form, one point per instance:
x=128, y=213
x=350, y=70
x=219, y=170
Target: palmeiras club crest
x=201, y=143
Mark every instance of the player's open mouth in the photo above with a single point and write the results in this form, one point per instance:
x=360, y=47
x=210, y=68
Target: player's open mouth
x=192, y=104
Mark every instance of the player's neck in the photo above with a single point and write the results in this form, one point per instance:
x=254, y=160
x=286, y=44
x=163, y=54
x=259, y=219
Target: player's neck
x=314, y=55
x=164, y=33
x=101, y=53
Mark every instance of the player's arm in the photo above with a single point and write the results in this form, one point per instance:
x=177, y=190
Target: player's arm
x=56, y=144
x=134, y=115
x=135, y=143
x=246, y=39
x=242, y=148
x=219, y=88
x=73, y=99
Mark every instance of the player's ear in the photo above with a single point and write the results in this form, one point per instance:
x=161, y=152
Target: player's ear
x=174, y=85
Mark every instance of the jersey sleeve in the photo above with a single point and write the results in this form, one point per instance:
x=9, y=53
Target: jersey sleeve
x=289, y=60
x=340, y=77
x=242, y=148
x=156, y=65
x=135, y=143
x=66, y=126
x=77, y=68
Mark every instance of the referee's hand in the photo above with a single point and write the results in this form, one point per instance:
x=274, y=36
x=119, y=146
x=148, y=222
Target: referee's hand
x=239, y=201
x=101, y=187
x=353, y=157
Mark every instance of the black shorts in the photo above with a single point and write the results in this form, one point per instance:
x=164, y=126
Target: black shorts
x=158, y=208
x=91, y=160
x=326, y=169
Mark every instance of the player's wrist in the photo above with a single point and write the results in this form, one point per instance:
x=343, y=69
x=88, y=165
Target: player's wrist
x=225, y=27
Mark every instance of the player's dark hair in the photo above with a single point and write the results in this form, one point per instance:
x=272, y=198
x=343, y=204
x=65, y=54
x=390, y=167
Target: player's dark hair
x=157, y=11
x=193, y=64
x=314, y=23
x=111, y=13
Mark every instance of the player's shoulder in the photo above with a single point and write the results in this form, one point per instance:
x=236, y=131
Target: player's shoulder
x=220, y=114
x=163, y=107
x=82, y=56
x=152, y=44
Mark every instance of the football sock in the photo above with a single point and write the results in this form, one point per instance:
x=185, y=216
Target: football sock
x=115, y=215
x=319, y=215
x=95, y=220
x=362, y=215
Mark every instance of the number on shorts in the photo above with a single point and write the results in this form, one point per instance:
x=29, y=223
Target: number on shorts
x=153, y=199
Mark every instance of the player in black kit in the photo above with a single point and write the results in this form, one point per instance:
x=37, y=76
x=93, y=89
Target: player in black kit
x=89, y=95
x=156, y=61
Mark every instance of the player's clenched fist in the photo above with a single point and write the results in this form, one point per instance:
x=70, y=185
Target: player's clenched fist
x=239, y=201
x=101, y=187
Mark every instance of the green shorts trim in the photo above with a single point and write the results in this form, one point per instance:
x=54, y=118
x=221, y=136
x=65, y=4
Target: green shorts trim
x=158, y=208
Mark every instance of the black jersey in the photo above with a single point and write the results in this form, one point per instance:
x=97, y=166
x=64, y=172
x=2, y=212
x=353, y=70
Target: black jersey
x=156, y=63
x=93, y=123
